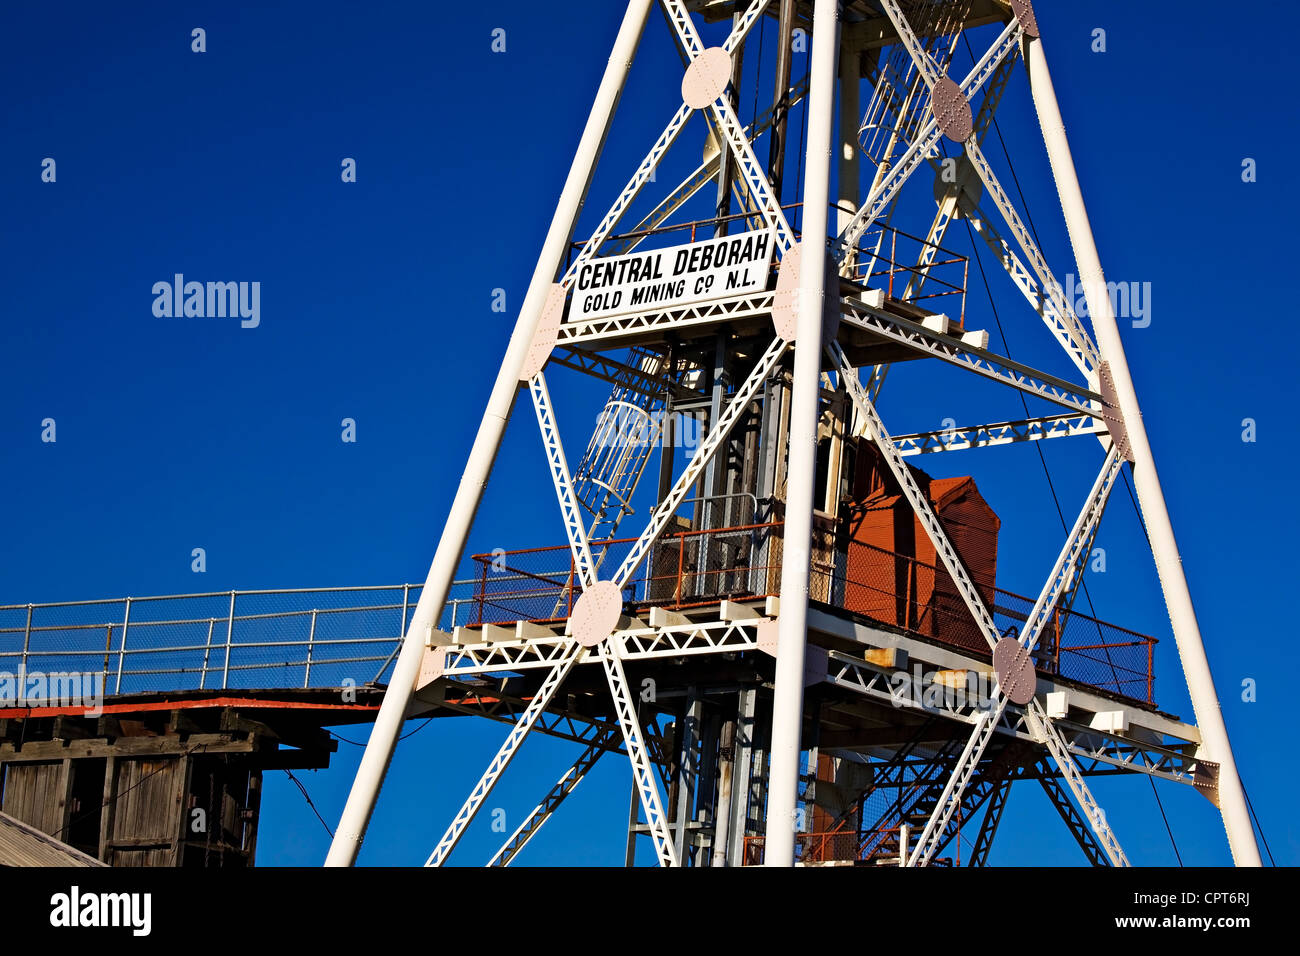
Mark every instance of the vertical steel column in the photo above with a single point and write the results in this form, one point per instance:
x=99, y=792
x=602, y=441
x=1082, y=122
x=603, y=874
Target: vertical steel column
x=633, y=817
x=742, y=770
x=688, y=769
x=1164, y=547
x=722, y=809
x=27, y=644
x=850, y=153
x=121, y=647
x=230, y=630
x=780, y=98
x=727, y=164
x=392, y=712
x=207, y=652
x=311, y=642
x=787, y=704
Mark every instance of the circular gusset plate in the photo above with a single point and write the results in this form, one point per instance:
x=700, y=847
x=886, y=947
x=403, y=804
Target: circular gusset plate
x=548, y=332
x=785, y=300
x=1015, y=670
x=706, y=78
x=596, y=614
x=952, y=110
x=1024, y=11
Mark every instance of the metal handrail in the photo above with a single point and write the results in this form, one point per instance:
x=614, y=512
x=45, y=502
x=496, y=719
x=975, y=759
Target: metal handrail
x=289, y=640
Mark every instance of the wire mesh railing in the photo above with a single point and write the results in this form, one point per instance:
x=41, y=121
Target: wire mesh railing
x=682, y=569
x=689, y=568
x=289, y=638
x=301, y=638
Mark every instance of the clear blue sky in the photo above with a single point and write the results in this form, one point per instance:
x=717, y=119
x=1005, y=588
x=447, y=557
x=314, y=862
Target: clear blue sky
x=376, y=305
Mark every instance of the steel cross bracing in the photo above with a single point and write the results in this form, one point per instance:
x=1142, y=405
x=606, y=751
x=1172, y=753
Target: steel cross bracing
x=990, y=780
x=642, y=771
x=1001, y=433
x=1070, y=816
x=737, y=406
x=704, y=174
x=1099, y=749
x=1063, y=574
x=921, y=147
x=570, y=511
x=651, y=161
x=1065, y=327
x=561, y=724
x=989, y=828
x=1067, y=566
x=502, y=760
x=1057, y=746
x=920, y=505
x=559, y=653
x=732, y=133
x=926, y=789
x=981, y=361
x=567, y=783
x=1064, y=323
x=639, y=643
x=949, y=206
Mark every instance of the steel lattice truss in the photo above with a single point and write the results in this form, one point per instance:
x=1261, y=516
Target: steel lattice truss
x=1075, y=750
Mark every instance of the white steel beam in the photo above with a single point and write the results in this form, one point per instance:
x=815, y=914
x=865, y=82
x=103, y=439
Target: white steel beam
x=911, y=491
x=981, y=361
x=801, y=468
x=1063, y=574
x=642, y=771
x=1002, y=433
x=503, y=757
x=1067, y=566
x=733, y=135
x=705, y=173
x=648, y=165
x=388, y=723
x=1075, y=340
x=1146, y=481
x=922, y=146
x=736, y=407
x=567, y=783
x=557, y=464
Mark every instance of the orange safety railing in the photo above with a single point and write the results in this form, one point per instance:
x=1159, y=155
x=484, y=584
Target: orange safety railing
x=696, y=568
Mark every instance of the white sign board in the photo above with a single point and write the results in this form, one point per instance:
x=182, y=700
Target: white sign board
x=664, y=278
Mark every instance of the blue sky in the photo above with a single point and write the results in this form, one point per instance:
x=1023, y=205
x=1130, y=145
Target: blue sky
x=376, y=305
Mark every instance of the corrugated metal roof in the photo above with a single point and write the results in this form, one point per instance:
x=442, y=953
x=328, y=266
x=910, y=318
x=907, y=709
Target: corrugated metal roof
x=24, y=845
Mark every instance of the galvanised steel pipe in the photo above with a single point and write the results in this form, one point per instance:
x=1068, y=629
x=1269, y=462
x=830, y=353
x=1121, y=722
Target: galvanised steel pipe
x=1182, y=615
x=392, y=712
x=787, y=704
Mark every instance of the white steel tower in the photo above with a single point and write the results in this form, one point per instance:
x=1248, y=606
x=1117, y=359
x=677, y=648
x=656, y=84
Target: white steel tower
x=787, y=574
